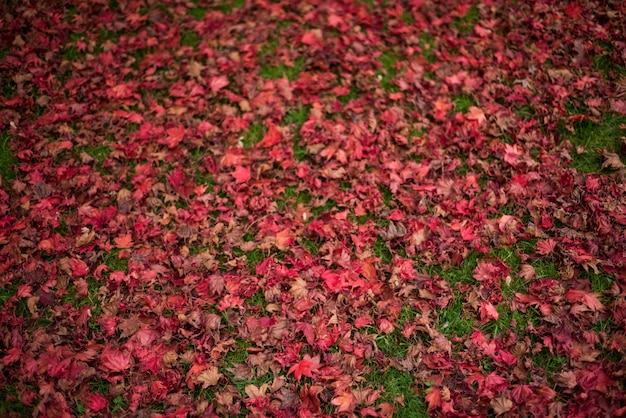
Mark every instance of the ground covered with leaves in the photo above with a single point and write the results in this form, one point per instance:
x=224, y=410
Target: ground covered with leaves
x=281, y=208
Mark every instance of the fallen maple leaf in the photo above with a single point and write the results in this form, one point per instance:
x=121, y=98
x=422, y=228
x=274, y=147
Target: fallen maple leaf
x=115, y=360
x=546, y=246
x=526, y=271
x=209, y=377
x=501, y=405
x=611, y=161
x=97, y=402
x=305, y=367
x=124, y=241
x=271, y=138
x=241, y=174
x=475, y=113
x=345, y=402
x=174, y=137
x=218, y=83
x=434, y=398
x=588, y=299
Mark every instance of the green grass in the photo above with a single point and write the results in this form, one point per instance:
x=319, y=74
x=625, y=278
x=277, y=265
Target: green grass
x=190, y=39
x=290, y=198
x=607, y=66
x=10, y=402
x=387, y=75
x=593, y=137
x=119, y=404
x=258, y=299
x=545, y=268
x=114, y=262
x=7, y=158
x=548, y=363
x=382, y=251
x=240, y=354
x=600, y=283
x=253, y=257
x=253, y=135
x=268, y=48
x=228, y=6
x=99, y=152
x=297, y=117
x=466, y=23
x=310, y=245
x=427, y=45
x=453, y=319
x=463, y=102
x=397, y=383
x=277, y=71
x=198, y=12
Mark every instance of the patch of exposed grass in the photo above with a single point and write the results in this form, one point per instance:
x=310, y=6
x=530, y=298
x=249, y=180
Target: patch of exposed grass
x=548, y=362
x=240, y=353
x=189, y=38
x=297, y=117
x=427, y=45
x=310, y=245
x=290, y=198
x=407, y=17
x=114, y=262
x=326, y=206
x=388, y=74
x=382, y=251
x=545, y=268
x=396, y=383
x=7, y=158
x=463, y=102
x=606, y=65
x=253, y=257
x=268, y=48
x=466, y=23
x=258, y=299
x=453, y=319
x=119, y=404
x=253, y=135
x=594, y=137
x=600, y=283
x=277, y=71
x=386, y=194
x=98, y=152
x=507, y=319
x=198, y=13
x=228, y=6
x=10, y=404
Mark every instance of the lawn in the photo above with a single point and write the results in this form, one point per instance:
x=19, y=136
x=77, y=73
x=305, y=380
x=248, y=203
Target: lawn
x=282, y=208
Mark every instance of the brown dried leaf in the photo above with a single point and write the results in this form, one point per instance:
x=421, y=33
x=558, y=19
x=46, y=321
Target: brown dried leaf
x=209, y=377
x=501, y=405
x=611, y=161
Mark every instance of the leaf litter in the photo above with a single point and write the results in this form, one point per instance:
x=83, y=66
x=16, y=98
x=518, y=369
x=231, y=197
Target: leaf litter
x=286, y=209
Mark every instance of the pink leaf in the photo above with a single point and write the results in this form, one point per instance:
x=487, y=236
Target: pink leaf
x=241, y=174
x=218, y=83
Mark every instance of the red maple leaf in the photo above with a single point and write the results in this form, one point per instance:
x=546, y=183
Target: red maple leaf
x=344, y=401
x=174, y=137
x=588, y=299
x=271, y=138
x=545, y=247
x=434, y=398
x=97, y=402
x=218, y=83
x=124, y=241
x=115, y=360
x=305, y=367
x=241, y=174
